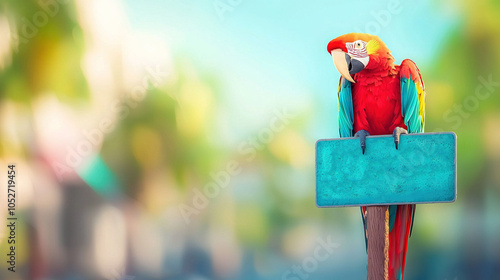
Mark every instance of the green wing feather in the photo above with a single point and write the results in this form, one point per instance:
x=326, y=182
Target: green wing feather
x=412, y=97
x=346, y=115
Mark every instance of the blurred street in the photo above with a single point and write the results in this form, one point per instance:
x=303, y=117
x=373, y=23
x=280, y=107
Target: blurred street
x=175, y=139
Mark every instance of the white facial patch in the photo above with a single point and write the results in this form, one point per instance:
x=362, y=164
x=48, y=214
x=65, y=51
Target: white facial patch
x=357, y=49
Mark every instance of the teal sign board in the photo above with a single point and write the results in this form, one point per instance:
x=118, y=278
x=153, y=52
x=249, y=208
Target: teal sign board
x=422, y=170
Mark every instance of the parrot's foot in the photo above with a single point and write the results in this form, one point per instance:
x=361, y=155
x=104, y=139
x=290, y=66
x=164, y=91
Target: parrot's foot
x=362, y=138
x=396, y=133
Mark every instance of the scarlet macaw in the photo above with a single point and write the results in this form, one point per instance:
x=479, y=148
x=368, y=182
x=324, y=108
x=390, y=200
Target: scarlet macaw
x=377, y=97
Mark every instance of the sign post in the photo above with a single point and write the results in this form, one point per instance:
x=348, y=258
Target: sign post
x=422, y=170
x=377, y=231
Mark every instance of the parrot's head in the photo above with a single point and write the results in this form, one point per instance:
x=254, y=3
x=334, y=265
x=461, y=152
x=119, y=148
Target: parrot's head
x=356, y=52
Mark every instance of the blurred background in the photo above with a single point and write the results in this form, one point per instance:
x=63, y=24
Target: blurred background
x=175, y=139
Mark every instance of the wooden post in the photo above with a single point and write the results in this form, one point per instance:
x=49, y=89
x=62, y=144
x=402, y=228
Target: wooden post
x=377, y=227
x=342, y=180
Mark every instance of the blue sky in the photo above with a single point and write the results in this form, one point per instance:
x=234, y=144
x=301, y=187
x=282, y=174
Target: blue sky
x=272, y=54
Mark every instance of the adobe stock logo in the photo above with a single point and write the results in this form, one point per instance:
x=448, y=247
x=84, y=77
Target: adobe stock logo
x=120, y=108
x=29, y=27
x=248, y=151
x=223, y=6
x=382, y=18
x=323, y=250
x=456, y=115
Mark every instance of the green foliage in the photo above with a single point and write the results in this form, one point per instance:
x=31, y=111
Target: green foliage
x=46, y=55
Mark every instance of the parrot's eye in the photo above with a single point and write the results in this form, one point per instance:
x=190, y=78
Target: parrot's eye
x=358, y=45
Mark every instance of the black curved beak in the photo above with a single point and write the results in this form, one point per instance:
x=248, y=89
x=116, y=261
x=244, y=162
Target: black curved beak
x=355, y=66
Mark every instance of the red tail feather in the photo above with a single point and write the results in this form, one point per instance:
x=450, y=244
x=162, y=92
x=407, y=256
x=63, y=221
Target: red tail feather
x=398, y=241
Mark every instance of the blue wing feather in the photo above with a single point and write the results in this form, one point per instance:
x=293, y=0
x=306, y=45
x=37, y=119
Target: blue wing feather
x=346, y=115
x=412, y=97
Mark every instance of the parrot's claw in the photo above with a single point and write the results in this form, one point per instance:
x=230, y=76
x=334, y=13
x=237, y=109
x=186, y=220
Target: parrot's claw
x=396, y=133
x=362, y=138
